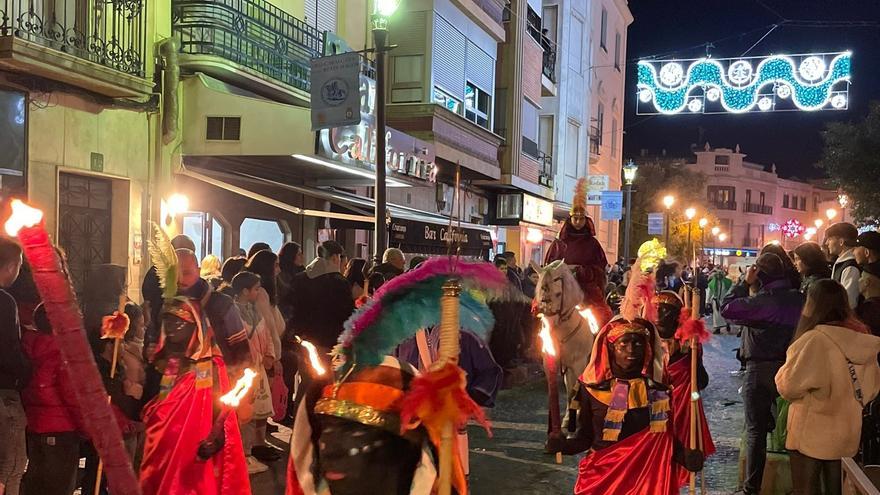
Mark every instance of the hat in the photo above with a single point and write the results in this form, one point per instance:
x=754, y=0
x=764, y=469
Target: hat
x=870, y=240
x=771, y=266
x=843, y=230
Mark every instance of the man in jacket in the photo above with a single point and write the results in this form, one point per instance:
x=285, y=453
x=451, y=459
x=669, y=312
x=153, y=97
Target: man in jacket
x=840, y=239
x=393, y=264
x=769, y=319
x=14, y=373
x=321, y=298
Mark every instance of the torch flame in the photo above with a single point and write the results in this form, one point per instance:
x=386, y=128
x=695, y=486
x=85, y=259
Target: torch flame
x=22, y=216
x=314, y=358
x=547, y=346
x=234, y=396
x=587, y=314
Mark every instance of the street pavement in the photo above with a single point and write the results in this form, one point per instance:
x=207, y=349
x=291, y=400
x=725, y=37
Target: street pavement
x=513, y=460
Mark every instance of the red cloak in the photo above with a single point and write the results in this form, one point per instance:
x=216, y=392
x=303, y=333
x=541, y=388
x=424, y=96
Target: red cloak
x=175, y=426
x=678, y=377
x=640, y=464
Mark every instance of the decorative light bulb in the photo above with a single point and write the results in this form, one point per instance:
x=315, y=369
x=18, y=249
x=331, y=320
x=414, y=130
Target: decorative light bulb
x=740, y=72
x=765, y=104
x=812, y=68
x=838, y=101
x=671, y=74
x=783, y=91
x=713, y=94
x=645, y=95
x=695, y=105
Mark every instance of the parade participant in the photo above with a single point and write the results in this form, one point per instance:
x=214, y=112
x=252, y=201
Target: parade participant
x=578, y=247
x=177, y=456
x=677, y=375
x=624, y=420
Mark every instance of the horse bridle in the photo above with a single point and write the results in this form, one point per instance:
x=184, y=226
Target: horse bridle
x=565, y=316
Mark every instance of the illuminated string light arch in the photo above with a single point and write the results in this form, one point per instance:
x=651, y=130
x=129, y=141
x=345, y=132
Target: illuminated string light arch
x=807, y=82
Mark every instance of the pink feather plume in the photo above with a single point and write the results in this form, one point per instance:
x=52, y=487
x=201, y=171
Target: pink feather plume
x=689, y=327
x=639, y=293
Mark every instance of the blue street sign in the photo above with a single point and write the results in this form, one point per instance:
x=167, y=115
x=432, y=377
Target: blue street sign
x=612, y=205
x=655, y=223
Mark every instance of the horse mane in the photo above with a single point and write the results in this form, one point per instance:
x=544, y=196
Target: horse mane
x=571, y=290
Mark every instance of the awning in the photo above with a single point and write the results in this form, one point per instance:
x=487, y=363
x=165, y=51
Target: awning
x=412, y=230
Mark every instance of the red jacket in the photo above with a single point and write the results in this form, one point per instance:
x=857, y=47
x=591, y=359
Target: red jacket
x=48, y=397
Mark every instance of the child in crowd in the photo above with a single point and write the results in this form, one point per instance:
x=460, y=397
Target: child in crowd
x=132, y=357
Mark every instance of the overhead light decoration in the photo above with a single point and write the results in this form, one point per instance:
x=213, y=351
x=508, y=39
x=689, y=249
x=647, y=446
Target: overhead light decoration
x=793, y=228
x=803, y=82
x=773, y=227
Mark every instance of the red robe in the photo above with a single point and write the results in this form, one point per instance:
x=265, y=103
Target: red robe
x=175, y=426
x=678, y=377
x=581, y=250
x=640, y=464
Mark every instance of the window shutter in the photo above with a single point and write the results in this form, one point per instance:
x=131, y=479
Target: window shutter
x=480, y=68
x=321, y=14
x=449, y=57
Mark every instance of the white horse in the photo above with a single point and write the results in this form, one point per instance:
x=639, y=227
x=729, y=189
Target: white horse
x=558, y=295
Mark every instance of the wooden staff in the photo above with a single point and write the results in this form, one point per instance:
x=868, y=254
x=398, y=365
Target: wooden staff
x=116, y=341
x=449, y=349
x=695, y=394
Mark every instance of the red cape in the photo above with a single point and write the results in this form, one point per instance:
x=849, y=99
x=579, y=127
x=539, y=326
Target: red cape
x=582, y=250
x=640, y=464
x=678, y=377
x=174, y=428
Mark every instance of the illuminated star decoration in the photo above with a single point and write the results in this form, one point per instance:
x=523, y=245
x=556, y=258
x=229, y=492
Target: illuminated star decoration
x=793, y=228
x=774, y=83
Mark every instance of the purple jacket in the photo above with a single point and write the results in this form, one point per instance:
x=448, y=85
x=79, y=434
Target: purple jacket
x=769, y=317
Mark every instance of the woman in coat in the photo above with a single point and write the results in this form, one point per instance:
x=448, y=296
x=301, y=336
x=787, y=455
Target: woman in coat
x=825, y=415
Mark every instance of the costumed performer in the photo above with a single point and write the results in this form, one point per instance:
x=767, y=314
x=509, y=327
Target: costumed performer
x=578, y=247
x=377, y=428
x=191, y=446
x=671, y=317
x=624, y=420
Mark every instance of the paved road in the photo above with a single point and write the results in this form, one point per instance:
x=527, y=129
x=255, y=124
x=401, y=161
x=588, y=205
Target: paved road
x=513, y=462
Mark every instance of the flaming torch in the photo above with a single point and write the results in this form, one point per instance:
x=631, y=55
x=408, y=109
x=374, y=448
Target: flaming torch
x=314, y=358
x=548, y=349
x=62, y=309
x=211, y=445
x=587, y=314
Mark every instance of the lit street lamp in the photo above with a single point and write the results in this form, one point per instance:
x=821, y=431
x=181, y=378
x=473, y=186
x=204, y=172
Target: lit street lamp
x=380, y=18
x=830, y=213
x=668, y=201
x=629, y=176
x=818, y=223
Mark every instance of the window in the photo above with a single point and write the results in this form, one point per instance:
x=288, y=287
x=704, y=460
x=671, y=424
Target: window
x=446, y=100
x=223, y=129
x=803, y=203
x=530, y=129
x=785, y=200
x=13, y=142
x=255, y=230
x=548, y=22
x=572, y=141
x=321, y=14
x=575, y=54
x=545, y=135
x=407, y=69
x=722, y=160
x=603, y=37
x=613, y=138
x=722, y=197
x=763, y=199
x=815, y=203
x=477, y=106
x=617, y=51
x=748, y=196
x=600, y=122
x=206, y=233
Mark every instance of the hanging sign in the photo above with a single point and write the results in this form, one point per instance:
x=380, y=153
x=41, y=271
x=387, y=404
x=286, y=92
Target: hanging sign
x=655, y=223
x=595, y=185
x=335, y=90
x=612, y=205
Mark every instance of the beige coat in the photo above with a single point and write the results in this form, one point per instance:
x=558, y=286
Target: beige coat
x=825, y=419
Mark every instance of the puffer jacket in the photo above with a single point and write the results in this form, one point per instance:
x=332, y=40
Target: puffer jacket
x=824, y=418
x=769, y=317
x=48, y=398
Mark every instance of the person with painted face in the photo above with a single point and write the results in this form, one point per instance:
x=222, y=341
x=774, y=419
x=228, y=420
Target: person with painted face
x=625, y=421
x=578, y=247
x=677, y=375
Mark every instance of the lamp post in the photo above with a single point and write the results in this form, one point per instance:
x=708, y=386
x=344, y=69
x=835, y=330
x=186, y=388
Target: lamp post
x=843, y=199
x=715, y=231
x=380, y=18
x=629, y=176
x=668, y=201
x=689, y=213
x=721, y=237
x=702, y=223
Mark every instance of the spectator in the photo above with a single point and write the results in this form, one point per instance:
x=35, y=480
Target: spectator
x=770, y=318
x=514, y=274
x=231, y=268
x=354, y=273
x=152, y=292
x=14, y=374
x=290, y=261
x=53, y=431
x=790, y=271
x=810, y=262
x=210, y=270
x=719, y=286
x=840, y=239
x=393, y=263
x=505, y=341
x=867, y=253
x=825, y=414
x=256, y=248
x=322, y=298
x=416, y=261
x=530, y=282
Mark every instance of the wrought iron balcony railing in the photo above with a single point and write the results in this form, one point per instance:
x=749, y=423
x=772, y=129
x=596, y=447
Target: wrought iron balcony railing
x=724, y=205
x=110, y=33
x=545, y=172
x=252, y=33
x=549, y=65
x=595, y=140
x=756, y=208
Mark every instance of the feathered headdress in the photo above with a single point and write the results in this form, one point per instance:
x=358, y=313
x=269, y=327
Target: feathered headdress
x=639, y=293
x=411, y=301
x=164, y=258
x=579, y=201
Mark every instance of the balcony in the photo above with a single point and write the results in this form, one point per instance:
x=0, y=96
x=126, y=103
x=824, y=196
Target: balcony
x=545, y=170
x=549, y=62
x=250, y=43
x=97, y=46
x=723, y=205
x=756, y=208
x=595, y=144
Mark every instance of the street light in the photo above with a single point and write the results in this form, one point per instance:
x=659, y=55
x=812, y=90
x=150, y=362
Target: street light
x=384, y=10
x=716, y=230
x=629, y=176
x=690, y=213
x=702, y=223
x=668, y=201
x=830, y=213
x=818, y=223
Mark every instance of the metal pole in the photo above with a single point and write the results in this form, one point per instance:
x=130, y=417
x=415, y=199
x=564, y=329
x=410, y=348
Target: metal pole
x=381, y=235
x=667, y=229
x=628, y=225
x=689, y=254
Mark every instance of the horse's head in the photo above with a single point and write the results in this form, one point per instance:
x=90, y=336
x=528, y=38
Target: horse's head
x=558, y=291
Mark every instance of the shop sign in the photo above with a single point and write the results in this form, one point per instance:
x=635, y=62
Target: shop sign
x=612, y=205
x=536, y=210
x=595, y=185
x=355, y=145
x=422, y=234
x=335, y=94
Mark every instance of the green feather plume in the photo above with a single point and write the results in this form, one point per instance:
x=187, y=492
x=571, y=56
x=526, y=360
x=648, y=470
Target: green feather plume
x=164, y=258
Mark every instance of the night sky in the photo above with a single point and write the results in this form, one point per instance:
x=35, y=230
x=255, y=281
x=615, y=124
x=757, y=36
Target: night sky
x=677, y=29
